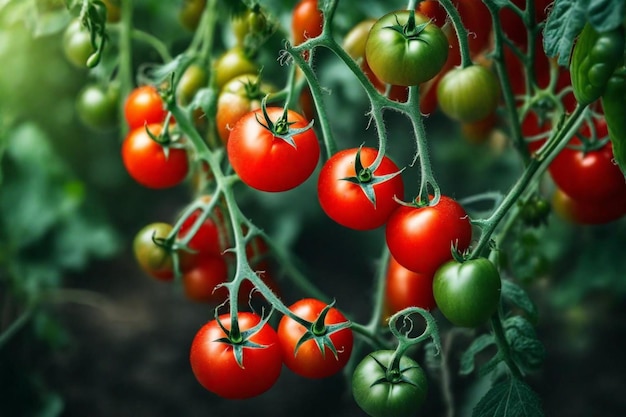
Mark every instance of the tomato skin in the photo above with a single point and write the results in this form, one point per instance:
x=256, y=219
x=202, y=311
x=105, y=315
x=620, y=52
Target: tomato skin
x=144, y=106
x=190, y=13
x=207, y=237
x=77, y=44
x=235, y=100
x=345, y=202
x=193, y=79
x=232, y=63
x=306, y=21
x=406, y=288
x=398, y=60
x=467, y=293
x=153, y=259
x=587, y=211
x=97, y=106
x=214, y=366
x=468, y=94
x=308, y=360
x=380, y=397
x=588, y=176
x=479, y=131
x=199, y=281
x=146, y=161
x=420, y=238
x=268, y=163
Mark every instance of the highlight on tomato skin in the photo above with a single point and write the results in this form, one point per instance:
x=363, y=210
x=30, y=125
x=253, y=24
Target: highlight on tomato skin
x=588, y=211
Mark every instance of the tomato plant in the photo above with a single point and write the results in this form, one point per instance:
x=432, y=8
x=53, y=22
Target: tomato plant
x=315, y=352
x=151, y=164
x=276, y=156
x=360, y=200
x=236, y=368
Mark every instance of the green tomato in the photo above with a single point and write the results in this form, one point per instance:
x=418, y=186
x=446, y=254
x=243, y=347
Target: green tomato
x=77, y=44
x=389, y=394
x=403, y=54
x=97, y=106
x=232, y=63
x=467, y=293
x=468, y=94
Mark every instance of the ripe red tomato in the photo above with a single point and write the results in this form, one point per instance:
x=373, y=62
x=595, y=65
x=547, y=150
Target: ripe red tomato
x=199, y=281
x=267, y=162
x=346, y=202
x=434, y=10
x=309, y=361
x=587, y=211
x=406, y=288
x=144, y=106
x=588, y=175
x=149, y=164
x=214, y=364
x=207, y=237
x=420, y=238
x=306, y=21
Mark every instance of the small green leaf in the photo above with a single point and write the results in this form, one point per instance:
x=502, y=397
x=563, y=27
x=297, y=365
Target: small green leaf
x=511, y=398
x=605, y=15
x=527, y=351
x=518, y=297
x=564, y=23
x=468, y=358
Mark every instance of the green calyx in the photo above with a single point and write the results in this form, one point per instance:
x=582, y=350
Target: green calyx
x=281, y=128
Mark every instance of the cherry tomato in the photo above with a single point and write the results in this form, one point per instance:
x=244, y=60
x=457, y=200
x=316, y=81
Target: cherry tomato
x=190, y=13
x=77, y=44
x=468, y=94
x=149, y=164
x=239, y=96
x=267, y=162
x=421, y=238
x=406, y=288
x=207, y=237
x=232, y=63
x=154, y=259
x=587, y=211
x=193, y=79
x=214, y=363
x=306, y=21
x=144, y=106
x=589, y=175
x=201, y=280
x=480, y=130
x=384, y=393
x=97, y=106
x=467, y=293
x=346, y=202
x=308, y=360
x=405, y=58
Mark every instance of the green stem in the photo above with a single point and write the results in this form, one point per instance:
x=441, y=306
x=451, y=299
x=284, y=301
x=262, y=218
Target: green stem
x=503, y=345
x=125, y=73
x=461, y=32
x=154, y=42
x=15, y=326
x=536, y=166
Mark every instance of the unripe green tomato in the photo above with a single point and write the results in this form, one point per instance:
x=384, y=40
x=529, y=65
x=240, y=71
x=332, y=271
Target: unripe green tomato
x=193, y=79
x=354, y=41
x=380, y=394
x=232, y=63
x=190, y=13
x=467, y=293
x=153, y=259
x=468, y=94
x=97, y=106
x=77, y=44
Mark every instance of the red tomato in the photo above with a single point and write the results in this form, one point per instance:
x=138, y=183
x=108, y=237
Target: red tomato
x=515, y=69
x=306, y=21
x=144, y=106
x=309, y=361
x=148, y=162
x=346, y=202
x=434, y=10
x=267, y=162
x=216, y=369
x=200, y=281
x=589, y=212
x=477, y=20
x=406, y=288
x=421, y=238
x=207, y=237
x=535, y=128
x=592, y=175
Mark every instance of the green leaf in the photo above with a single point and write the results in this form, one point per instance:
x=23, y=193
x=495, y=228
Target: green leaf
x=605, y=15
x=564, y=23
x=518, y=297
x=468, y=358
x=511, y=398
x=527, y=351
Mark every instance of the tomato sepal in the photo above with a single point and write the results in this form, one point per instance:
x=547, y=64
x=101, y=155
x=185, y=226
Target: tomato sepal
x=281, y=128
